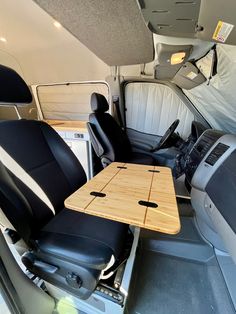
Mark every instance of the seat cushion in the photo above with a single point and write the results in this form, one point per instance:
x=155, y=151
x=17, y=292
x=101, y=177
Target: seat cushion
x=140, y=158
x=82, y=239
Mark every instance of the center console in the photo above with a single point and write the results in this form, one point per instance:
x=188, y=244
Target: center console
x=211, y=172
x=199, y=151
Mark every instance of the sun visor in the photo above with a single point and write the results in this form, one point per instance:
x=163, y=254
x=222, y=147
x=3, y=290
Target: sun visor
x=211, y=20
x=189, y=76
x=166, y=73
x=13, y=89
x=114, y=30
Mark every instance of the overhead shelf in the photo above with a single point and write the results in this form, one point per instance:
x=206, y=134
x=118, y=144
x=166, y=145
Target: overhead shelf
x=173, y=18
x=211, y=20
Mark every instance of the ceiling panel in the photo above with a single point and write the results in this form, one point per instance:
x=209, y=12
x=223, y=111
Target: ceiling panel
x=114, y=30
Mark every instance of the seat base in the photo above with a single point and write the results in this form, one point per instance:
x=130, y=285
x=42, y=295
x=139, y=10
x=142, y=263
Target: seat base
x=99, y=302
x=141, y=158
x=76, y=244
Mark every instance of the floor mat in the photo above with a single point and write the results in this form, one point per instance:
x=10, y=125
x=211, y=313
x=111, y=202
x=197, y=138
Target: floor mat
x=165, y=284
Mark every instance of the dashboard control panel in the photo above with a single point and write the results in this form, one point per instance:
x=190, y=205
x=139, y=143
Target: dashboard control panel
x=199, y=151
x=216, y=153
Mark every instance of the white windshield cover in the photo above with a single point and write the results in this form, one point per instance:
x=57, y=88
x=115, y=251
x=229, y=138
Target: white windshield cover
x=217, y=101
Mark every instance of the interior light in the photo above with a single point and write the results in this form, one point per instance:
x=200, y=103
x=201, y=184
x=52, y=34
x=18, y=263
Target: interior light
x=57, y=24
x=3, y=39
x=177, y=58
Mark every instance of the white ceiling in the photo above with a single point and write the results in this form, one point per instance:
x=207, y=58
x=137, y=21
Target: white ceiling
x=41, y=52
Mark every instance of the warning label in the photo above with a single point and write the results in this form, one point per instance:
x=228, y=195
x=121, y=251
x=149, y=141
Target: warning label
x=191, y=75
x=222, y=31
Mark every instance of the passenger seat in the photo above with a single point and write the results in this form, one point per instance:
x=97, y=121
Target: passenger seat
x=109, y=141
x=38, y=171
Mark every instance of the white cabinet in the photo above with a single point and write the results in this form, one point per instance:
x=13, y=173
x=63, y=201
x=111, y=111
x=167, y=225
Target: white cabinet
x=80, y=145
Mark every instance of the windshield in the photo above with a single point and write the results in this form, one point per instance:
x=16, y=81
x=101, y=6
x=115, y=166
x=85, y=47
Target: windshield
x=216, y=99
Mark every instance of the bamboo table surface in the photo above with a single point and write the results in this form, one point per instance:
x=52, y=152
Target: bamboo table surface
x=139, y=195
x=62, y=125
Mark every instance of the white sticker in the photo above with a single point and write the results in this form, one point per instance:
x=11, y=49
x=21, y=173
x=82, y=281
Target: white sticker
x=191, y=75
x=222, y=31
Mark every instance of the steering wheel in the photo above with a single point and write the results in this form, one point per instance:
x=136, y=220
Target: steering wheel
x=166, y=136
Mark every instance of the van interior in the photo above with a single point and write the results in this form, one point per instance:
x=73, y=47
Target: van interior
x=88, y=83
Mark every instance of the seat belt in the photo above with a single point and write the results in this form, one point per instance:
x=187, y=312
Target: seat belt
x=23, y=176
x=116, y=102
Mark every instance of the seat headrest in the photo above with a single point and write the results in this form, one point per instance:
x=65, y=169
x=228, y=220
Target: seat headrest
x=13, y=89
x=99, y=103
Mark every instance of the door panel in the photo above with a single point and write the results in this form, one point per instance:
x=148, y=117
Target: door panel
x=152, y=107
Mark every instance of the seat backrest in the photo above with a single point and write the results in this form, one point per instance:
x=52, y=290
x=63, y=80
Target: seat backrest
x=107, y=134
x=37, y=169
x=43, y=155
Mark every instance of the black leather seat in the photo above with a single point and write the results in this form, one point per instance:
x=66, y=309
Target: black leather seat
x=66, y=248
x=109, y=141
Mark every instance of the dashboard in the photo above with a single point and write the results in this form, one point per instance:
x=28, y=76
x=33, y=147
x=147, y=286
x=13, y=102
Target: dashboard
x=199, y=151
x=210, y=170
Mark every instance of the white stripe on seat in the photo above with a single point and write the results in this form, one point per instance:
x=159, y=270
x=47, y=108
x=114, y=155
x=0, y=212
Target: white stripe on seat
x=23, y=176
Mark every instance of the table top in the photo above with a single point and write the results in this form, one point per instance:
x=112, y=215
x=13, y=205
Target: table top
x=68, y=125
x=139, y=195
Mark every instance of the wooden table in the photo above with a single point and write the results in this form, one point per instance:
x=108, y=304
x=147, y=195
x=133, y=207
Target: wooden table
x=139, y=195
x=68, y=125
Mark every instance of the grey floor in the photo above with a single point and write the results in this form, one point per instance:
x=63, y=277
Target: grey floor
x=177, y=274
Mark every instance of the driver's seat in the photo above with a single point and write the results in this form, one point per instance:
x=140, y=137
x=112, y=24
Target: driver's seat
x=109, y=141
